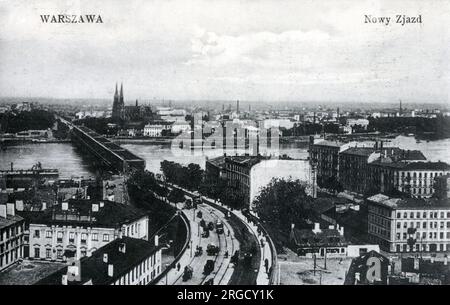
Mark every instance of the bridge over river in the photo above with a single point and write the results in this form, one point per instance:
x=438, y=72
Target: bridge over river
x=105, y=151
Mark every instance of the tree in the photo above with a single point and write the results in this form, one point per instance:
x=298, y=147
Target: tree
x=176, y=195
x=283, y=202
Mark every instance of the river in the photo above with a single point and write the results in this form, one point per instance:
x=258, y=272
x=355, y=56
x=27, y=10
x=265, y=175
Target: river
x=69, y=161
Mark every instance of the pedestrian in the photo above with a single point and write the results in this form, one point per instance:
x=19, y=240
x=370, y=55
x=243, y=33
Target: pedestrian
x=178, y=267
x=266, y=264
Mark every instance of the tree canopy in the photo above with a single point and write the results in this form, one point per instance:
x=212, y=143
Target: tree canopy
x=283, y=202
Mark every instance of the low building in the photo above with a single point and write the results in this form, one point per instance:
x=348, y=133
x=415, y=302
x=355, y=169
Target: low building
x=125, y=261
x=409, y=224
x=78, y=228
x=328, y=242
x=12, y=229
x=156, y=129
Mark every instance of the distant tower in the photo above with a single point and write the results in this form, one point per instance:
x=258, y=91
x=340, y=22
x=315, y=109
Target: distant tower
x=115, y=110
x=237, y=106
x=337, y=112
x=118, y=104
x=137, y=105
x=400, y=110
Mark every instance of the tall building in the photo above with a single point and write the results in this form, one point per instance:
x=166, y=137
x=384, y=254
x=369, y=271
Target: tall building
x=410, y=224
x=118, y=104
x=12, y=229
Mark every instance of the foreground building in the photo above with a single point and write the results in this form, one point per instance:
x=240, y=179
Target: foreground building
x=410, y=224
x=125, y=261
x=11, y=236
x=78, y=228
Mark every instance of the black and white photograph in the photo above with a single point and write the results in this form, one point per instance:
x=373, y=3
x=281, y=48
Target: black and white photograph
x=237, y=143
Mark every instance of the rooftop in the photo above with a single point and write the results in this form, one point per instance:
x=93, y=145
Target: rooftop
x=410, y=203
x=80, y=212
x=329, y=143
x=94, y=270
x=9, y=220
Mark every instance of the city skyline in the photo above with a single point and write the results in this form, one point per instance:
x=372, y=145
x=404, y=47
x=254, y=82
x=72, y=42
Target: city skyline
x=177, y=51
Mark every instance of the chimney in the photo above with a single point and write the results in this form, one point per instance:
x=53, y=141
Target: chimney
x=156, y=240
x=110, y=270
x=65, y=206
x=44, y=206
x=3, y=210
x=105, y=258
x=64, y=279
x=416, y=263
x=94, y=207
x=12, y=166
x=10, y=209
x=19, y=205
x=122, y=248
x=317, y=228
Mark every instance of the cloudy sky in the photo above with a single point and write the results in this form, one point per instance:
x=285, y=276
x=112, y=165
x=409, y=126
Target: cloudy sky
x=228, y=50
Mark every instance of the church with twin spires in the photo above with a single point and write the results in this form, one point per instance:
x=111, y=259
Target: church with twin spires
x=118, y=111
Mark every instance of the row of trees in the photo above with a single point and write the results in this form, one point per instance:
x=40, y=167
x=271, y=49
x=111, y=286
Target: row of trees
x=189, y=177
x=36, y=119
x=440, y=126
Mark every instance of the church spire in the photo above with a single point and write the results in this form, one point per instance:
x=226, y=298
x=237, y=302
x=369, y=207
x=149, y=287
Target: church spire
x=121, y=90
x=116, y=94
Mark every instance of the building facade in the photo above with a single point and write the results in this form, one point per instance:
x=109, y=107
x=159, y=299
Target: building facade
x=125, y=261
x=12, y=229
x=410, y=224
x=78, y=228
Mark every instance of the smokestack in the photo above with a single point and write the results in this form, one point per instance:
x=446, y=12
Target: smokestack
x=12, y=166
x=237, y=106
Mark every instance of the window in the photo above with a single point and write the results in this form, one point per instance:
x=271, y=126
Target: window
x=71, y=237
x=35, y=235
x=59, y=237
x=105, y=237
x=411, y=215
x=36, y=252
x=424, y=215
x=398, y=225
x=83, y=238
x=404, y=236
x=424, y=225
x=398, y=236
x=59, y=253
x=418, y=215
x=48, y=253
x=405, y=215
x=441, y=225
x=405, y=225
x=94, y=236
x=83, y=253
x=48, y=234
